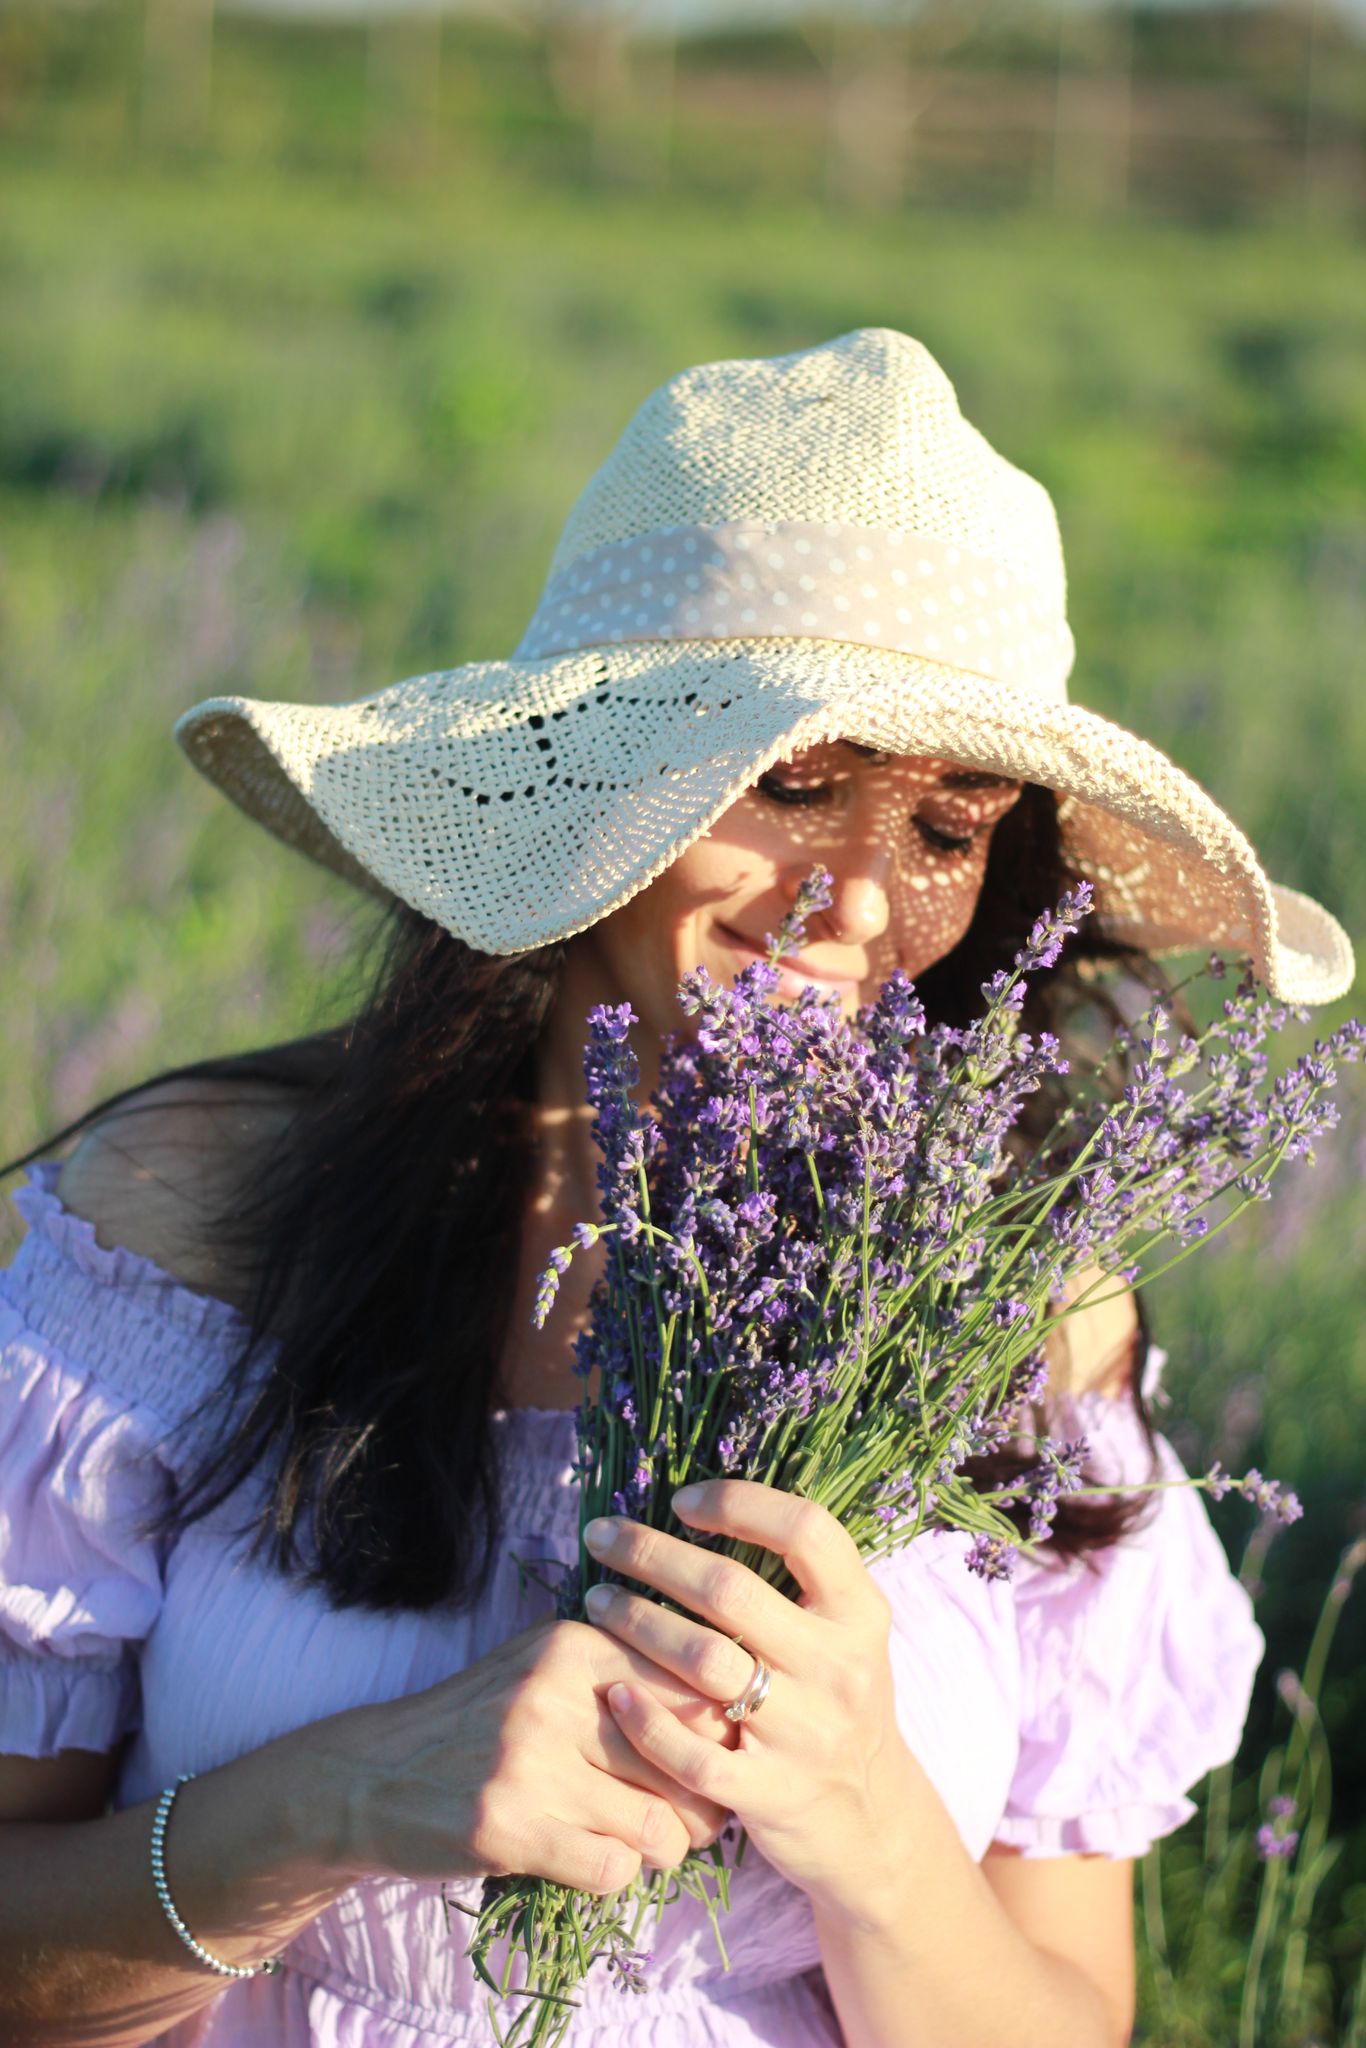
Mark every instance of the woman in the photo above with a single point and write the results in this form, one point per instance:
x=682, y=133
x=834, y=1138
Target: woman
x=278, y=1441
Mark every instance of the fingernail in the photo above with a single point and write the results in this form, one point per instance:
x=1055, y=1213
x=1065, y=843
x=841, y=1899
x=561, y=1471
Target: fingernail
x=619, y=1696
x=688, y=1497
x=598, y=1599
x=600, y=1534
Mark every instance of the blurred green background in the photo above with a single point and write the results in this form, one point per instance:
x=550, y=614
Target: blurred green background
x=312, y=331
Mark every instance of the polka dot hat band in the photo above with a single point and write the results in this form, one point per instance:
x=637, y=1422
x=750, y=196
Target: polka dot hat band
x=777, y=552
x=832, y=582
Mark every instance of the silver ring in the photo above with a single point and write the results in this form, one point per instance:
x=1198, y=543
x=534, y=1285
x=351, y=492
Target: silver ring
x=754, y=1694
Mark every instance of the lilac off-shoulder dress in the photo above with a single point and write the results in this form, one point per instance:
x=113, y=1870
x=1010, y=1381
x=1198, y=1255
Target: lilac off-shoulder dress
x=1068, y=1710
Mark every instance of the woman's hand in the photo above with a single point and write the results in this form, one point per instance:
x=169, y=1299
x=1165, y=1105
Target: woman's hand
x=515, y=1764
x=817, y=1770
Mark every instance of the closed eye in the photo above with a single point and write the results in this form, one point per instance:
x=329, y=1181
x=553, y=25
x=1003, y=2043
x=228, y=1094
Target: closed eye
x=790, y=792
x=945, y=842
x=806, y=793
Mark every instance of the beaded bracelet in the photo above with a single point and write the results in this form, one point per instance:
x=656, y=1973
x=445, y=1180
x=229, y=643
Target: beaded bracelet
x=163, y=1815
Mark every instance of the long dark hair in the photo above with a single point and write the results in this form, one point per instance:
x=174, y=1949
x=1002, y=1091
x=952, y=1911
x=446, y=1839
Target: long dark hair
x=379, y=1236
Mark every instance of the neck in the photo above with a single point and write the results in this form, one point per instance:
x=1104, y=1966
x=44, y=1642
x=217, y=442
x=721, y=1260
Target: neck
x=536, y=1366
x=565, y=1182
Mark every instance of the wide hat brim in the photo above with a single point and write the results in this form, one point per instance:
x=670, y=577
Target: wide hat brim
x=519, y=802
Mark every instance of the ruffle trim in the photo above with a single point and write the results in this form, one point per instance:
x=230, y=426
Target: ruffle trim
x=49, y=1704
x=199, y=1315
x=1124, y=1831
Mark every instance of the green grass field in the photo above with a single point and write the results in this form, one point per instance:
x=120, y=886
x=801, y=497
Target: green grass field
x=299, y=436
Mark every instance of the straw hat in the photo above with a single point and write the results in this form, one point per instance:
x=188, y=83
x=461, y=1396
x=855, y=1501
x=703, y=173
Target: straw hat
x=777, y=552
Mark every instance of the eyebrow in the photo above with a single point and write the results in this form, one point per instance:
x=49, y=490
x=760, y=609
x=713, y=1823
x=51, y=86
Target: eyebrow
x=953, y=778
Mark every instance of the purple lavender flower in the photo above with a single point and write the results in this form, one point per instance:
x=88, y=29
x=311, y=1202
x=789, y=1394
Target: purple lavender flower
x=1009, y=1311
x=633, y=1496
x=1348, y=1042
x=1045, y=942
x=1271, y=1844
x=991, y=1557
x=1058, y=1473
x=548, y=1285
x=629, y=1965
x=816, y=893
x=1218, y=1481
x=1270, y=1496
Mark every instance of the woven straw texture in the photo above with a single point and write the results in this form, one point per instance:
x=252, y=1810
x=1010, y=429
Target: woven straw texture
x=518, y=802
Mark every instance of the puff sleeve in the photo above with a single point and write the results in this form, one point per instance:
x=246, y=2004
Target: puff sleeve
x=1136, y=1665
x=97, y=1348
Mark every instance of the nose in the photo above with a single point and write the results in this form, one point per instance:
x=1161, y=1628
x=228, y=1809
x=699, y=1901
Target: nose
x=859, y=907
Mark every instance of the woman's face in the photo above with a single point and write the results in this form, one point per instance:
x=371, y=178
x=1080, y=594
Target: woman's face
x=905, y=838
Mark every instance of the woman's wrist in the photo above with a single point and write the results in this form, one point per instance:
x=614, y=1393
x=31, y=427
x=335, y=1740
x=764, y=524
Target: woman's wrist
x=253, y=1852
x=160, y=1823
x=250, y=1858
x=326, y=1791
x=867, y=1889
x=305, y=1799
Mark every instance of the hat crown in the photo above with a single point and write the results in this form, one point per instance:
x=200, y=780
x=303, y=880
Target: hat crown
x=864, y=430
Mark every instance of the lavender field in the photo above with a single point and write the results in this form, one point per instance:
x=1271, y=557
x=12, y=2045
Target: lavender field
x=301, y=436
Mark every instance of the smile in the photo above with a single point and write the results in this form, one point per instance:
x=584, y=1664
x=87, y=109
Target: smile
x=793, y=977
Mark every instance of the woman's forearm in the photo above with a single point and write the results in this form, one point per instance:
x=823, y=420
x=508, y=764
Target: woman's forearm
x=931, y=1959
x=86, y=1954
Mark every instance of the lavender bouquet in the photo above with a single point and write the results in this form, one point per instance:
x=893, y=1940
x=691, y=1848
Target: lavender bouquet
x=831, y=1272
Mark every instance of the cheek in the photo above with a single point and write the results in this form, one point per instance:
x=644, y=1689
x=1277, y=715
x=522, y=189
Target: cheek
x=717, y=873
x=654, y=939
x=964, y=893
x=941, y=898
x=644, y=933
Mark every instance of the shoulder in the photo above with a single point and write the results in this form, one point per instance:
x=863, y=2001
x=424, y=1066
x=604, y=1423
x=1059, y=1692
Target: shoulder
x=152, y=1174
x=1095, y=1350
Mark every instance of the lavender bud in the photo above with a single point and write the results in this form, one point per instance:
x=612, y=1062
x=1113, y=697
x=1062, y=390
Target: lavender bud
x=991, y=1557
x=815, y=893
x=629, y=1964
x=1218, y=1481
x=548, y=1287
x=1270, y=1844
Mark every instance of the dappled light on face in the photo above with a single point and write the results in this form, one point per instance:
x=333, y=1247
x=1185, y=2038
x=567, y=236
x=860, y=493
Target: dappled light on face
x=905, y=839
